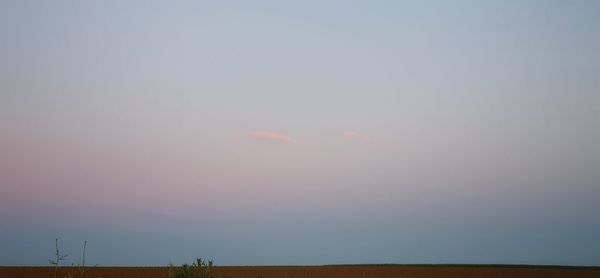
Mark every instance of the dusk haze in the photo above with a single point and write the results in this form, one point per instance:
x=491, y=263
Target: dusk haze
x=300, y=132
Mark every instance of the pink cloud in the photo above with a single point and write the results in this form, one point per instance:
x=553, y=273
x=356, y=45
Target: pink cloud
x=270, y=136
x=350, y=134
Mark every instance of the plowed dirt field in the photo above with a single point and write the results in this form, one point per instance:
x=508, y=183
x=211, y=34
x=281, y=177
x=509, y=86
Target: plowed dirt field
x=316, y=272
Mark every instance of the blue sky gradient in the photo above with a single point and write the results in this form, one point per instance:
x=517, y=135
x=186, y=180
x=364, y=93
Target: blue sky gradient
x=315, y=132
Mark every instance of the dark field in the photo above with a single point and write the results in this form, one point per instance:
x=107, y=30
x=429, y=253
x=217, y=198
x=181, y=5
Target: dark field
x=366, y=271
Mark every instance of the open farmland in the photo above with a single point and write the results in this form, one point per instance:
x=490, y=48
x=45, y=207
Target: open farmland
x=366, y=271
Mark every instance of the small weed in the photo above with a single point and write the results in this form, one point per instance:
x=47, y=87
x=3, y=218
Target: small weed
x=57, y=258
x=75, y=269
x=198, y=269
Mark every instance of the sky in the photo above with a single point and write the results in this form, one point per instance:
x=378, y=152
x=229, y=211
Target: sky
x=300, y=132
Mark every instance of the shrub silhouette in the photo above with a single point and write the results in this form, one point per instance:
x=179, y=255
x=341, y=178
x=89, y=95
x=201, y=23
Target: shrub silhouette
x=198, y=269
x=58, y=257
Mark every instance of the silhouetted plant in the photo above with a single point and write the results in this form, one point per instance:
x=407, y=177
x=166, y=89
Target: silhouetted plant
x=198, y=269
x=170, y=271
x=57, y=258
x=80, y=268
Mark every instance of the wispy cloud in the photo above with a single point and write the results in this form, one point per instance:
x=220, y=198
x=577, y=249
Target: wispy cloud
x=270, y=136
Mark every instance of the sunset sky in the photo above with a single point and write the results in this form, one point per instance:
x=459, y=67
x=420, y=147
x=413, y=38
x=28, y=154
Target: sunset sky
x=300, y=132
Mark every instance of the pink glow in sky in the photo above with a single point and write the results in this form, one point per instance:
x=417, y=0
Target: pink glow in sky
x=300, y=132
x=271, y=136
